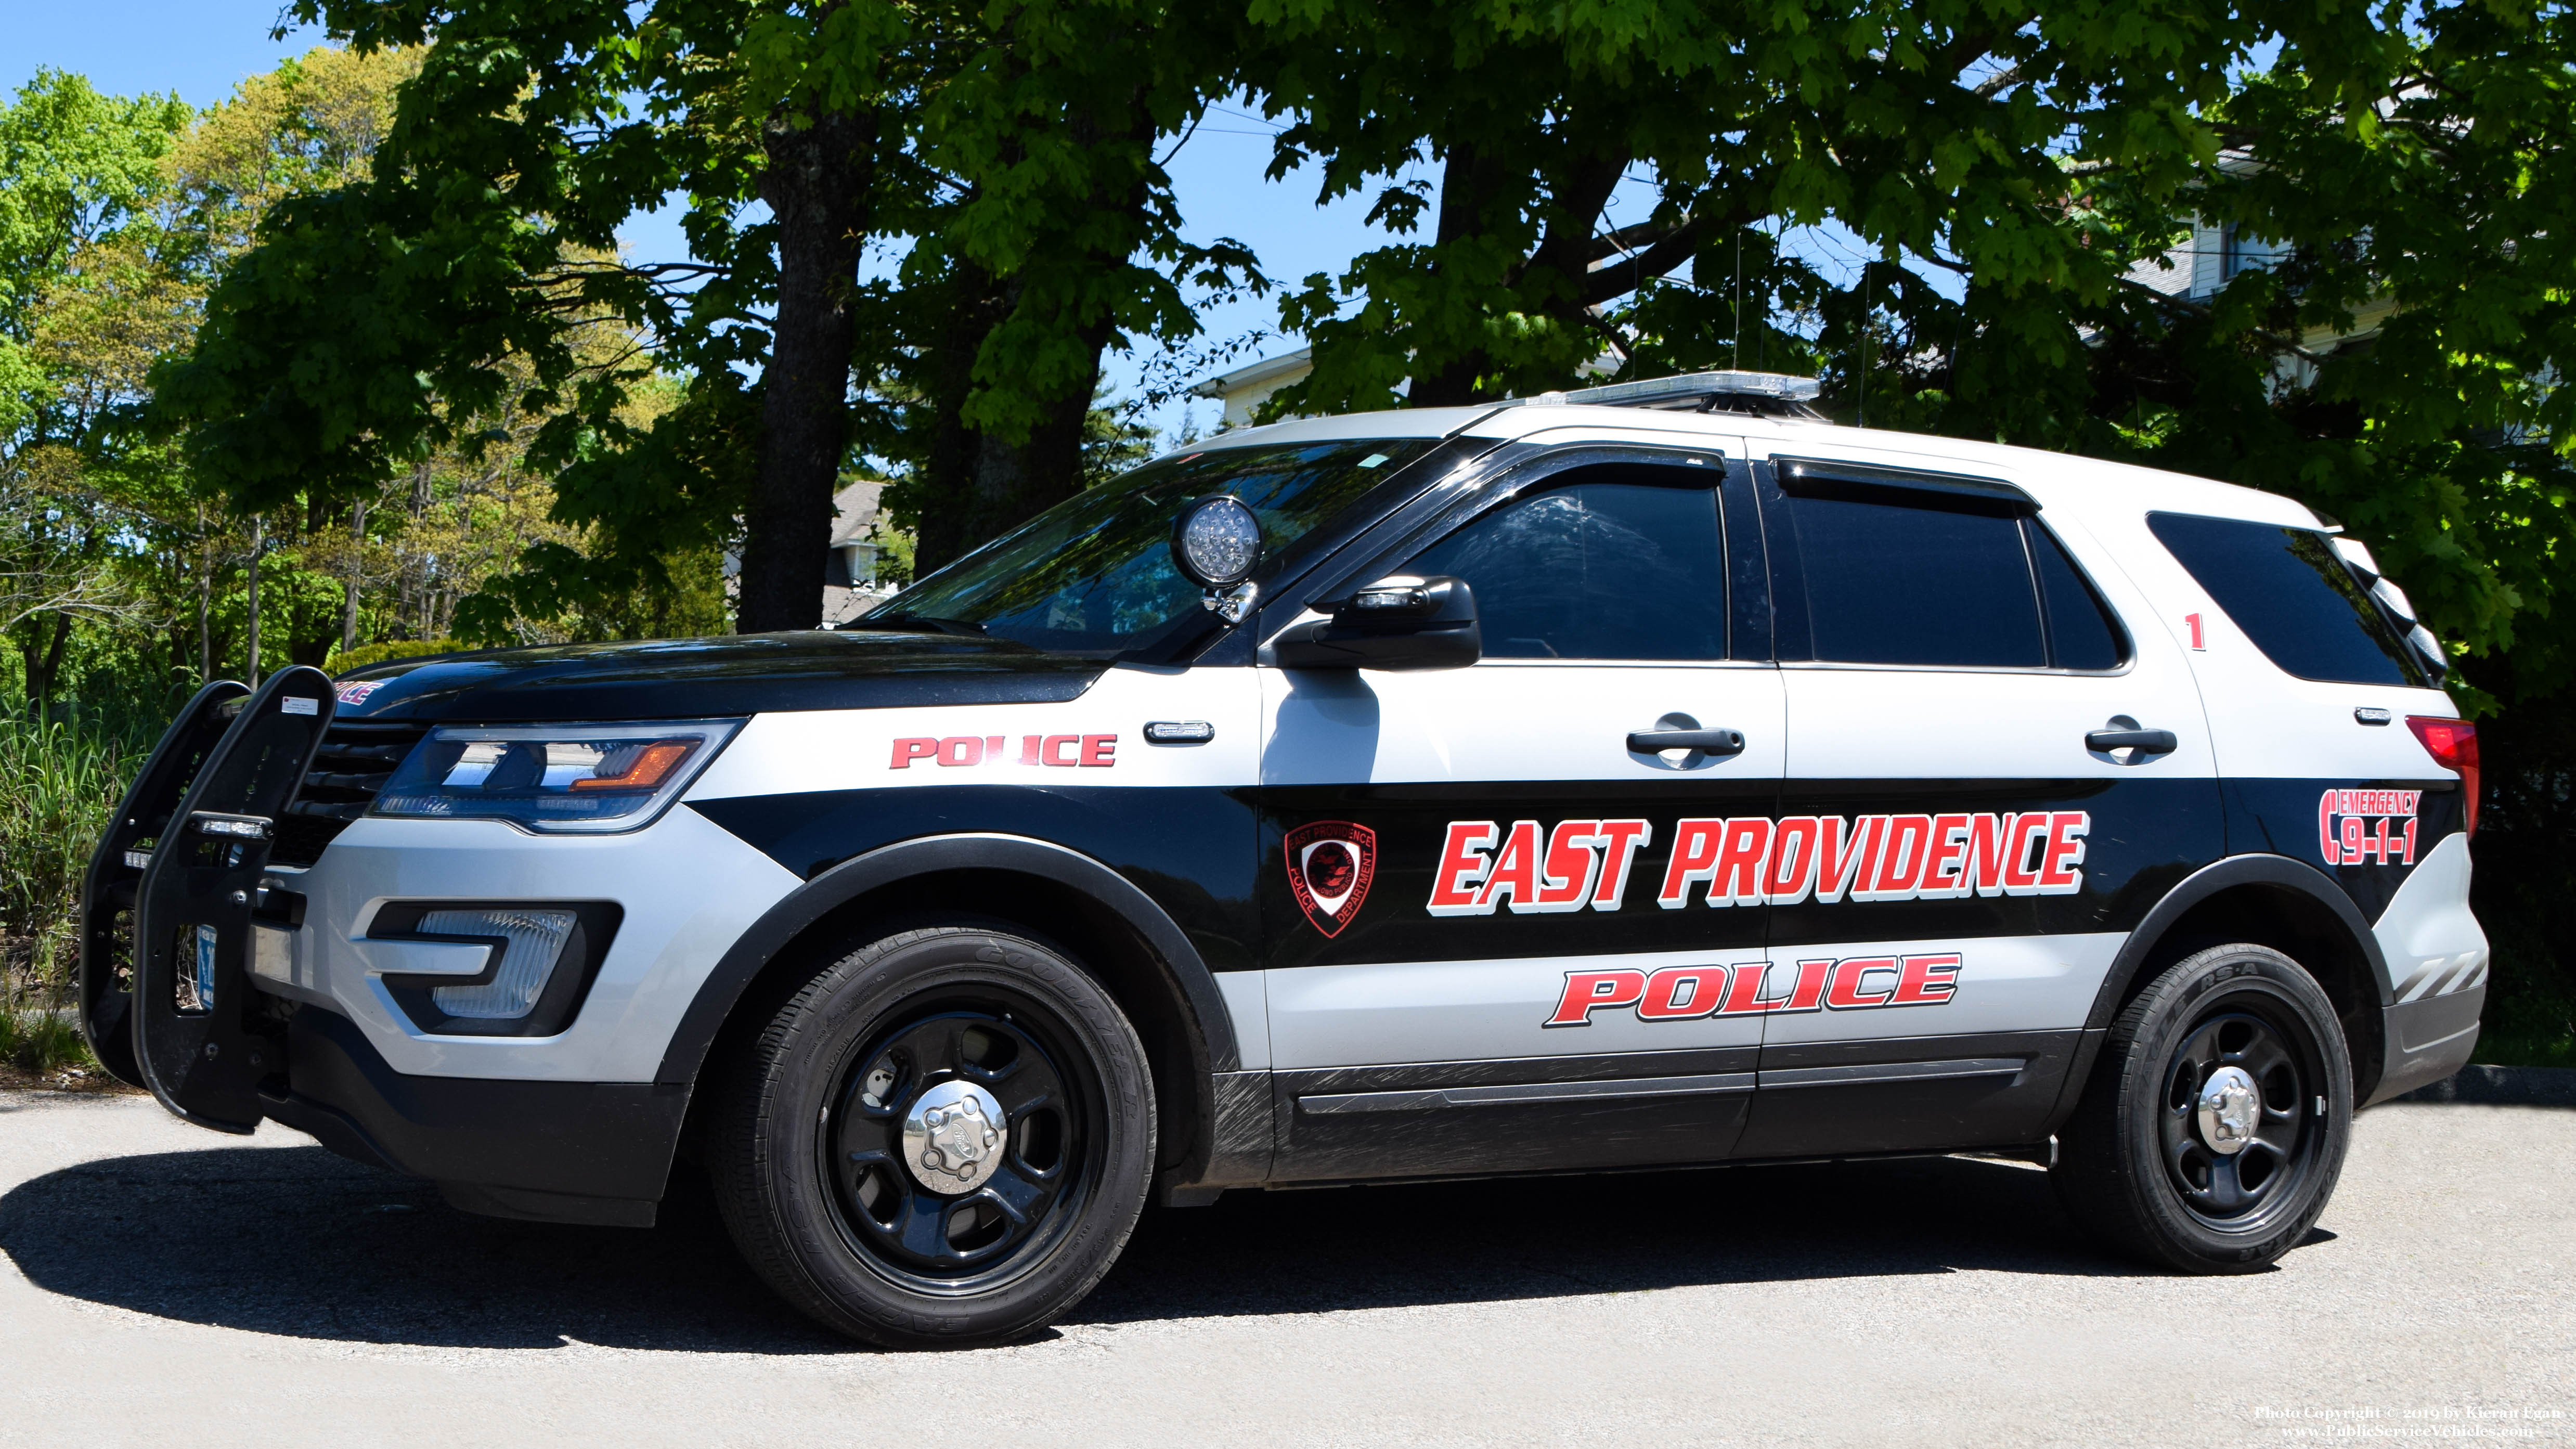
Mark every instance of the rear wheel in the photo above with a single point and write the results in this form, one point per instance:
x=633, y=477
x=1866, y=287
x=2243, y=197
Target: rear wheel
x=942, y=1139
x=2215, y=1122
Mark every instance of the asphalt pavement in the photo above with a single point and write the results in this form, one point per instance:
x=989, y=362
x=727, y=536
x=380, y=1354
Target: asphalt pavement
x=167, y=1285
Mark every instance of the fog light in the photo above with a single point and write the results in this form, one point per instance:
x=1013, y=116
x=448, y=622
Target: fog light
x=531, y=943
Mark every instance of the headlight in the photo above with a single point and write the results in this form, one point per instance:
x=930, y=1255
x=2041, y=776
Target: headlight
x=552, y=778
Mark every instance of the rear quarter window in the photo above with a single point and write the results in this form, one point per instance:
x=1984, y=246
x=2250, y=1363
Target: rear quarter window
x=2291, y=593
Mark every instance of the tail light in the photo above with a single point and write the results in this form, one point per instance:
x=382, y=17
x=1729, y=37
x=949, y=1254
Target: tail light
x=2453, y=744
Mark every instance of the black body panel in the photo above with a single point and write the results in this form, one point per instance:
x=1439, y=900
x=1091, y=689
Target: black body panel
x=1348, y=1123
x=579, y=1152
x=2147, y=834
x=1392, y=922
x=734, y=675
x=1191, y=850
x=2290, y=817
x=1988, y=1089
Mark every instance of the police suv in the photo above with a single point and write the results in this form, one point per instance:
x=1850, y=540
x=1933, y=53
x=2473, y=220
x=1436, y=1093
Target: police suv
x=1652, y=775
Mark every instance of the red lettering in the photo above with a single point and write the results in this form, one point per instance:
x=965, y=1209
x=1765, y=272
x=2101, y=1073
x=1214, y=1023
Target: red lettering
x=1680, y=993
x=2325, y=829
x=1099, y=750
x=1463, y=864
x=961, y=750
x=1738, y=881
x=2410, y=840
x=1790, y=870
x=907, y=751
x=1028, y=749
x=1515, y=869
x=2352, y=840
x=1809, y=992
x=1989, y=852
x=1945, y=861
x=2057, y=873
x=1695, y=845
x=1620, y=842
x=1840, y=857
x=1589, y=991
x=1566, y=876
x=1051, y=750
x=2029, y=841
x=1926, y=981
x=1845, y=993
x=1744, y=991
x=1901, y=858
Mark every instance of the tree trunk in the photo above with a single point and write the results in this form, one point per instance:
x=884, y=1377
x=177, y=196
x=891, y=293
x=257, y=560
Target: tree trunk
x=357, y=561
x=948, y=472
x=258, y=541
x=817, y=185
x=1466, y=187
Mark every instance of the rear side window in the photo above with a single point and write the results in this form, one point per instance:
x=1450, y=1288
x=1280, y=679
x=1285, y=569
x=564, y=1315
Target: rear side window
x=1892, y=575
x=2292, y=595
x=1614, y=563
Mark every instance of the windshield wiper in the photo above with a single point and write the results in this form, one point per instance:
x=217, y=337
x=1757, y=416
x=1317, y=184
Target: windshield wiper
x=908, y=622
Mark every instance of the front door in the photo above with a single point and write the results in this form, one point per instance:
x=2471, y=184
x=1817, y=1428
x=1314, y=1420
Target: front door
x=1497, y=936
x=1958, y=687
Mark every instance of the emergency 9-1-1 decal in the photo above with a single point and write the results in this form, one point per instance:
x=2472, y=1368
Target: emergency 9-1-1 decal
x=1757, y=860
x=2367, y=826
x=1688, y=993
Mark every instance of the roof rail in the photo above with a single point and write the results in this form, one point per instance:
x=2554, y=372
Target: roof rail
x=1768, y=394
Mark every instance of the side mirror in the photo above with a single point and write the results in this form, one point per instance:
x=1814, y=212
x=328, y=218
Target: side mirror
x=1402, y=622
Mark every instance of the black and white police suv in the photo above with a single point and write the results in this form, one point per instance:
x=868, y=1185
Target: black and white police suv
x=1652, y=775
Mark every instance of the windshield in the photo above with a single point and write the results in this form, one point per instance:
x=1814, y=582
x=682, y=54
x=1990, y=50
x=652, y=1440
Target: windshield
x=1094, y=574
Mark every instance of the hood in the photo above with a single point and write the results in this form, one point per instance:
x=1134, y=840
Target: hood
x=699, y=678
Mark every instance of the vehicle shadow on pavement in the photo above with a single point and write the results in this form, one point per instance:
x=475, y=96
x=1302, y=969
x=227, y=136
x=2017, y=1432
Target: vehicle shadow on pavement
x=295, y=1241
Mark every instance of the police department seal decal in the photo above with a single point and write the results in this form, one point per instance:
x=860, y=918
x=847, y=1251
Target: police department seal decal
x=1330, y=864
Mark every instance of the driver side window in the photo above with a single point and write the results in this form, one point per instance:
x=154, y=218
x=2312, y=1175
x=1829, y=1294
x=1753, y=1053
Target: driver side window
x=1620, y=561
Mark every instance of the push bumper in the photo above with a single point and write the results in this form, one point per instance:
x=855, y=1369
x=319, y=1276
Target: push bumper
x=566, y=1152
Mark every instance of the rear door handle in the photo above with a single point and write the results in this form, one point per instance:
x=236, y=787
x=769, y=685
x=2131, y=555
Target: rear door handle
x=1711, y=742
x=2145, y=742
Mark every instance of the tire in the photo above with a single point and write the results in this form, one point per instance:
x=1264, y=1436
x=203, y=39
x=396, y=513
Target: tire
x=864, y=1179
x=2144, y=1169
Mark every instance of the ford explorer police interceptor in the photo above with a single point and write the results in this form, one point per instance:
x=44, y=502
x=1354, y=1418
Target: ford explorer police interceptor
x=1653, y=775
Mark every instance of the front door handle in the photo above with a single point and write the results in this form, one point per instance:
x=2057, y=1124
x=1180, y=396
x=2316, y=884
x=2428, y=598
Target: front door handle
x=1711, y=742
x=2144, y=741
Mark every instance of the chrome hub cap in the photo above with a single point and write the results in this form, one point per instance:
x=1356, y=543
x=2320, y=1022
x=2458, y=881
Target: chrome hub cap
x=953, y=1137
x=2230, y=1110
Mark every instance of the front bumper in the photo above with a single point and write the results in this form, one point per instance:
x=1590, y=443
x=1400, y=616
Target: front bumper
x=574, y=1152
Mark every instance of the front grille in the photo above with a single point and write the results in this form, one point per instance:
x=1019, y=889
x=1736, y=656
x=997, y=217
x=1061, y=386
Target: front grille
x=356, y=758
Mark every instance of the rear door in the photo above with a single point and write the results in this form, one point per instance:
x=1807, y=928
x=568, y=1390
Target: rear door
x=1482, y=954
x=1956, y=674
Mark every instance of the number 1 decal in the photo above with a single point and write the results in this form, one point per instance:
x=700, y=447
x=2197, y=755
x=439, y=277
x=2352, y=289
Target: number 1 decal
x=2194, y=621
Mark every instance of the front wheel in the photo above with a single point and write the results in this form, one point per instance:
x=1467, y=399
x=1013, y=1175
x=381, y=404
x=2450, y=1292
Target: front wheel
x=2214, y=1125
x=943, y=1139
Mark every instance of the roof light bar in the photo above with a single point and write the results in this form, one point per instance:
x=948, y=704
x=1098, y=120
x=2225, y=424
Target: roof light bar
x=1776, y=387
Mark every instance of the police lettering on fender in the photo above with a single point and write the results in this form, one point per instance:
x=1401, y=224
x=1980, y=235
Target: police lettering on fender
x=1687, y=993
x=1757, y=860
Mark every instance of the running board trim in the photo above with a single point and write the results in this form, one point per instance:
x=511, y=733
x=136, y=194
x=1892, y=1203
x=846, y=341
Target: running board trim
x=1521, y=1092
x=1894, y=1072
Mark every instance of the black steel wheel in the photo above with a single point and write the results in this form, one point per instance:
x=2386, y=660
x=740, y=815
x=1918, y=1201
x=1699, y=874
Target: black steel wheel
x=2214, y=1125
x=943, y=1139
x=981, y=1062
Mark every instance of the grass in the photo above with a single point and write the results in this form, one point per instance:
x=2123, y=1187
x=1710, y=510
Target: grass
x=44, y=1049
x=60, y=781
